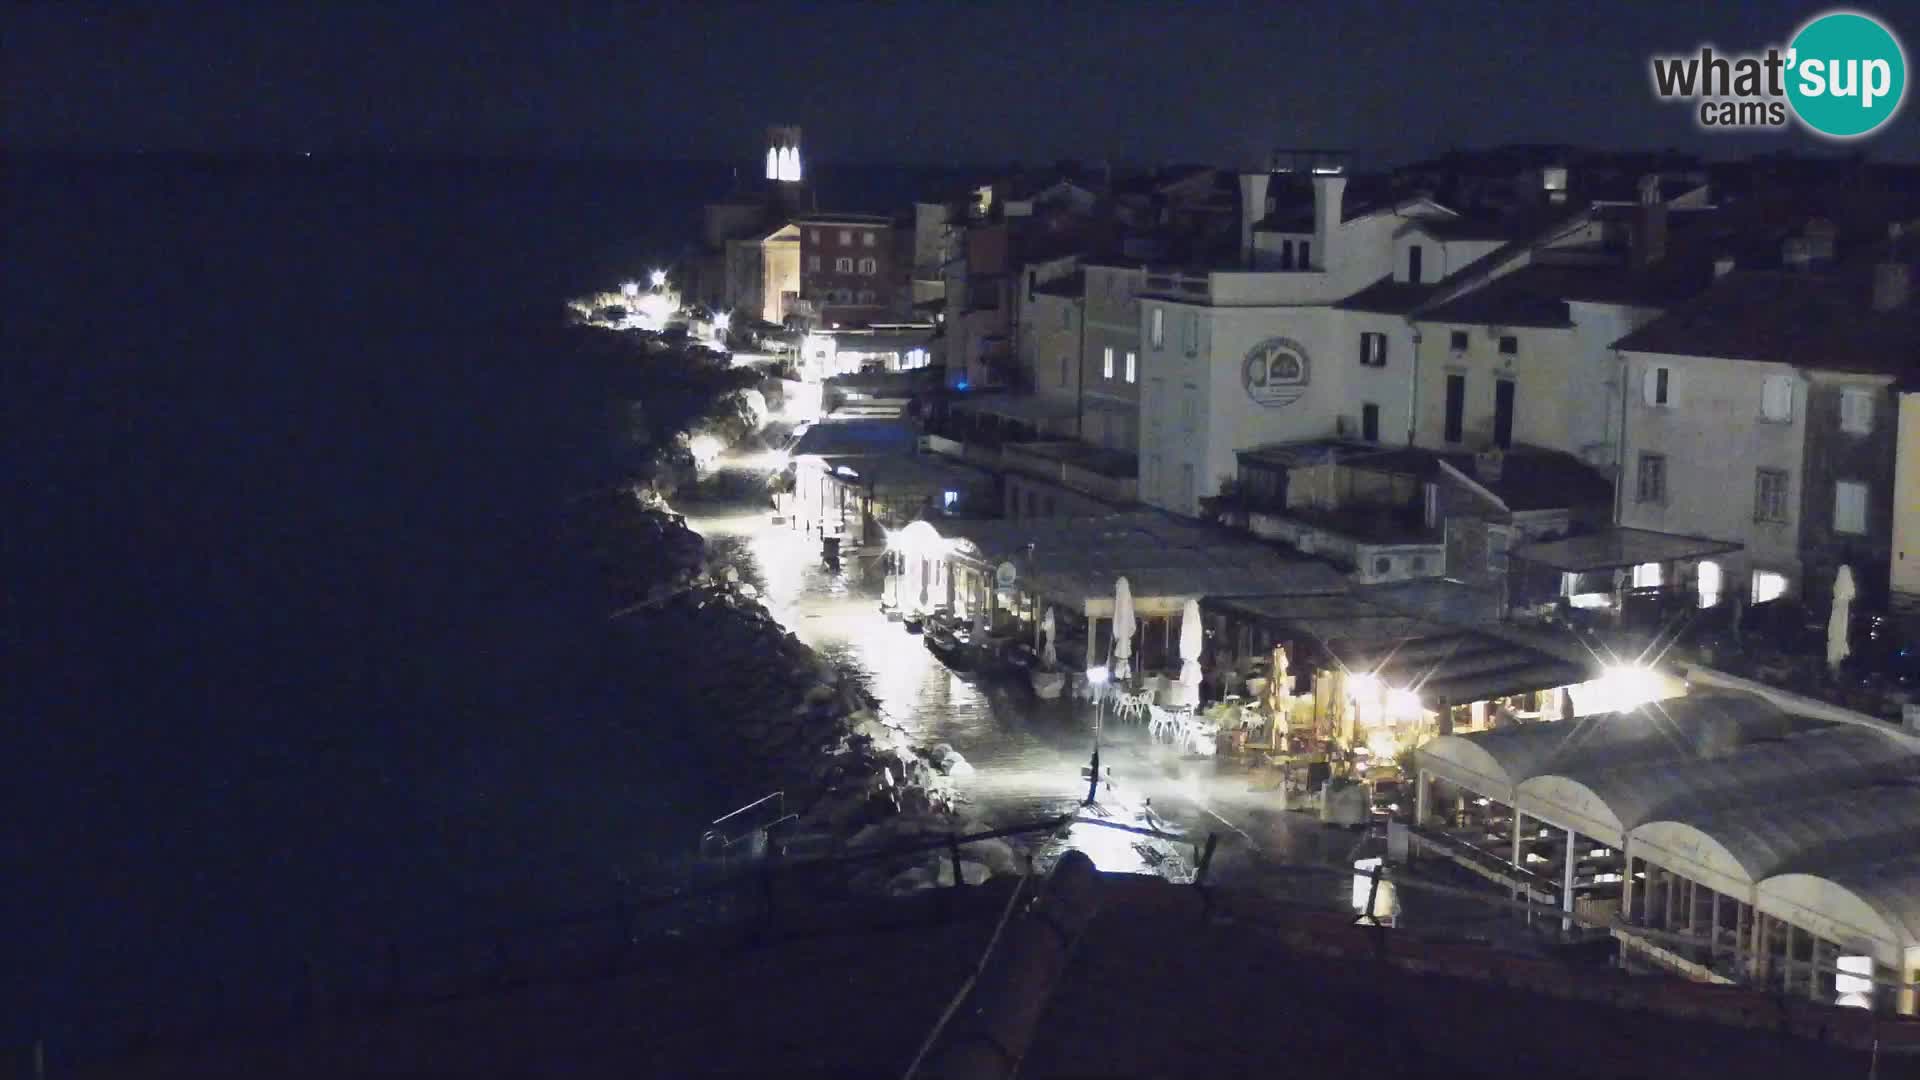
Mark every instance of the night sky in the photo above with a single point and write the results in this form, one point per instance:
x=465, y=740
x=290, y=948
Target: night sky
x=981, y=82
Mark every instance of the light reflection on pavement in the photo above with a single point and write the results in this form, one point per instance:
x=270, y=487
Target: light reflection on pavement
x=1028, y=753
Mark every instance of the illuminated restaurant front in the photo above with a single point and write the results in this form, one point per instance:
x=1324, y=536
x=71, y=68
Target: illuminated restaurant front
x=1356, y=677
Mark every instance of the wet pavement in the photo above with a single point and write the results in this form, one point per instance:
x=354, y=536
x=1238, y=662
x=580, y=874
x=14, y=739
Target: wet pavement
x=1027, y=753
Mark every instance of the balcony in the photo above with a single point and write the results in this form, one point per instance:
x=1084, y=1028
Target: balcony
x=1108, y=475
x=1238, y=288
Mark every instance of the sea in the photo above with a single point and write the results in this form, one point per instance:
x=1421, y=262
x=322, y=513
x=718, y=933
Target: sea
x=301, y=661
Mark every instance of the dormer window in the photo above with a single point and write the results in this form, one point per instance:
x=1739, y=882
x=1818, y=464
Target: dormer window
x=1415, y=254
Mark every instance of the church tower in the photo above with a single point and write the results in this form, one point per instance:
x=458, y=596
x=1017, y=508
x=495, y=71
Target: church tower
x=783, y=155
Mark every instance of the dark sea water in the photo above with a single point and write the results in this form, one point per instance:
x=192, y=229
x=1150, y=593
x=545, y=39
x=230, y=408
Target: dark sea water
x=298, y=657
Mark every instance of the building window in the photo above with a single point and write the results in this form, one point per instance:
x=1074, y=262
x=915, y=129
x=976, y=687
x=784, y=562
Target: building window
x=1456, y=407
x=1157, y=327
x=1066, y=318
x=1189, y=410
x=1382, y=566
x=1652, y=487
x=1373, y=349
x=1063, y=372
x=1497, y=550
x=1776, y=399
x=1186, y=486
x=1658, y=387
x=843, y=266
x=1286, y=254
x=1457, y=341
x=869, y=266
x=846, y=237
x=1509, y=346
x=1415, y=254
x=866, y=296
x=866, y=238
x=1192, y=333
x=813, y=235
x=1106, y=366
x=1770, y=495
x=813, y=263
x=1768, y=585
x=1856, y=411
x=1153, y=475
x=1850, y=507
x=1370, y=422
x=1306, y=250
x=1647, y=576
x=1133, y=367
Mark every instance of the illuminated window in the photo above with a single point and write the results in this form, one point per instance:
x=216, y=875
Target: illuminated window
x=869, y=266
x=813, y=235
x=813, y=263
x=1373, y=349
x=1158, y=327
x=846, y=237
x=1768, y=585
x=1107, y=365
x=843, y=266
x=1647, y=576
x=1708, y=579
x=1133, y=370
x=866, y=238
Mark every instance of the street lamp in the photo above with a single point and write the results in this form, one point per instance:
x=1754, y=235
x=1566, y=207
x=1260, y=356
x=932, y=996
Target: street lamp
x=659, y=279
x=1097, y=679
x=630, y=289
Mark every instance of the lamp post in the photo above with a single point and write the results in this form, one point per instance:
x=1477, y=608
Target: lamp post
x=1097, y=679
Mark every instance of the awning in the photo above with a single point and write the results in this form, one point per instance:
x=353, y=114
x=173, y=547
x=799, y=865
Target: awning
x=1459, y=667
x=1618, y=547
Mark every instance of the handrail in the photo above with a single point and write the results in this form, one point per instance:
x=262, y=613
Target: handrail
x=781, y=795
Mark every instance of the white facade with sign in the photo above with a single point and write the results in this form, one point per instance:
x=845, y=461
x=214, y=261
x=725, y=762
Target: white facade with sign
x=1234, y=359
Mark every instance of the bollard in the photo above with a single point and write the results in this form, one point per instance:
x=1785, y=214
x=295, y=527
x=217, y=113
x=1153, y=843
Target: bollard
x=1013, y=989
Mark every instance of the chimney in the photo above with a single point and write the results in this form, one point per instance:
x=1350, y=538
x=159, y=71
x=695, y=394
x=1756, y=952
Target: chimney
x=1722, y=266
x=1820, y=240
x=1796, y=253
x=1488, y=464
x=1253, y=207
x=1892, y=277
x=1329, y=190
x=1650, y=225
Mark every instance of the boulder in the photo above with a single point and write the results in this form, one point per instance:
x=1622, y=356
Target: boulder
x=911, y=881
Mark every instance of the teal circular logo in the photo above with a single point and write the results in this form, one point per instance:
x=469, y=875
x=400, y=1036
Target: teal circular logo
x=1846, y=74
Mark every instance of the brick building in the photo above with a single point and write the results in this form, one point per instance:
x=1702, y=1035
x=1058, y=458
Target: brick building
x=846, y=267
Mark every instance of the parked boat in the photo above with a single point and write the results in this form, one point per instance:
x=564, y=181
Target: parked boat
x=952, y=650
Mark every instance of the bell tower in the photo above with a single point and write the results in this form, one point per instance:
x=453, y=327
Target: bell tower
x=783, y=155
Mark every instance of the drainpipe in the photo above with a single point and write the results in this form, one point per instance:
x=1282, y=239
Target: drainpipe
x=1620, y=454
x=1012, y=992
x=1080, y=374
x=1413, y=399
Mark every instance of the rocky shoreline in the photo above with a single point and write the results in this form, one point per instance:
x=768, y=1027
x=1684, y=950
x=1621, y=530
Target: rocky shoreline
x=769, y=714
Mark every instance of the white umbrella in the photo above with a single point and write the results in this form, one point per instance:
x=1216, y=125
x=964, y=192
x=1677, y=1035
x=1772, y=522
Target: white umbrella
x=1048, y=658
x=1122, y=630
x=1191, y=642
x=1837, y=649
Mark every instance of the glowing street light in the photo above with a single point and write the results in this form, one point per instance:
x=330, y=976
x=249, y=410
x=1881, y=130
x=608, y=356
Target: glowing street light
x=1097, y=679
x=659, y=279
x=630, y=289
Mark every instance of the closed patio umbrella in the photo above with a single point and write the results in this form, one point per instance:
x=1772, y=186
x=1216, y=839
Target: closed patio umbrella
x=1048, y=658
x=1123, y=627
x=1191, y=642
x=1837, y=623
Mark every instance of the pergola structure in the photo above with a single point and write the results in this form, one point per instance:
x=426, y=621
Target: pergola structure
x=1727, y=839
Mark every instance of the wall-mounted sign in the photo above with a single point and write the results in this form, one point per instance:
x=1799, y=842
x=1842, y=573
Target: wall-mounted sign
x=1275, y=372
x=1004, y=575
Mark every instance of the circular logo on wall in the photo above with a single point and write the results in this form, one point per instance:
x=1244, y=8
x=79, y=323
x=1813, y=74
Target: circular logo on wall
x=1848, y=74
x=1275, y=372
